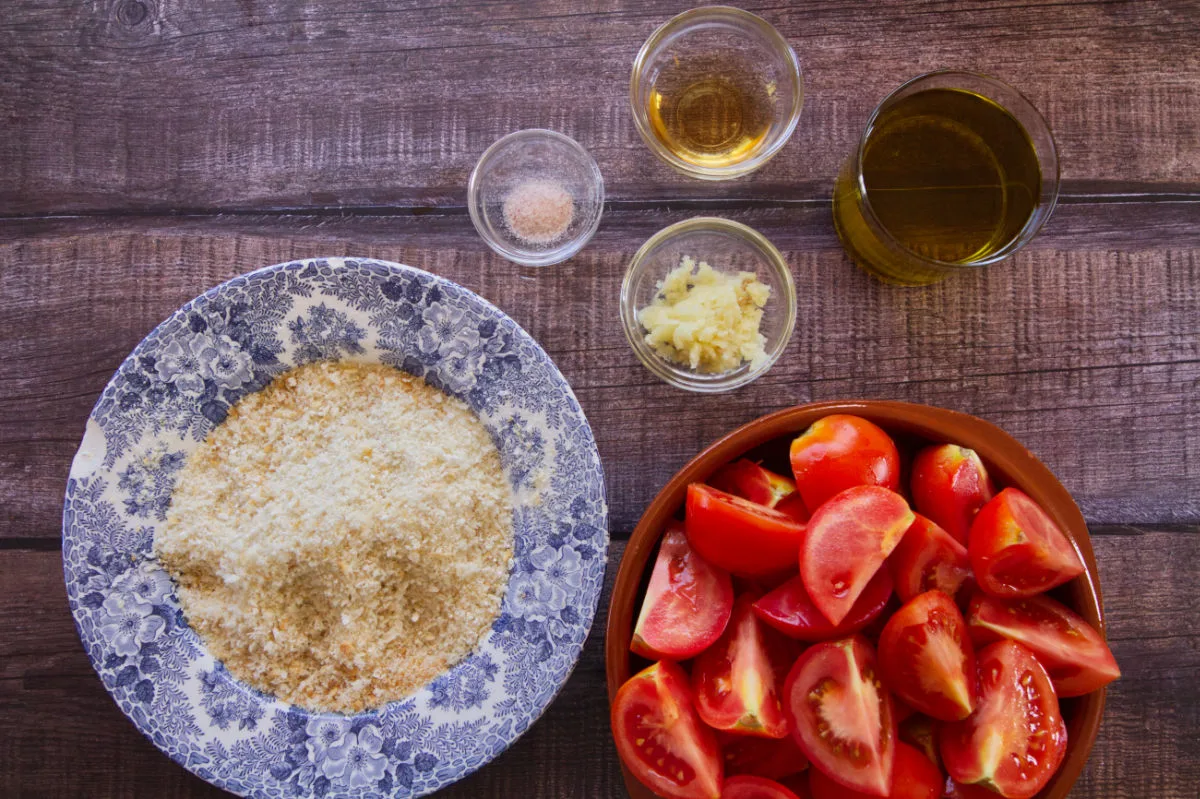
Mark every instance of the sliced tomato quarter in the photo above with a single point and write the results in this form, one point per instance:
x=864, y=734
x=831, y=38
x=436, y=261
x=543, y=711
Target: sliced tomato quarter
x=841, y=716
x=773, y=758
x=926, y=657
x=926, y=558
x=740, y=536
x=914, y=777
x=749, y=480
x=1073, y=653
x=790, y=610
x=1016, y=549
x=848, y=540
x=949, y=485
x=687, y=604
x=1016, y=739
x=661, y=739
x=750, y=787
x=736, y=681
x=841, y=451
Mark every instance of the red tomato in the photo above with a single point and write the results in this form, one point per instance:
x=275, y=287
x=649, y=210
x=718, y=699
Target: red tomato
x=839, y=452
x=1015, y=740
x=950, y=485
x=928, y=558
x=773, y=758
x=687, y=603
x=841, y=716
x=920, y=731
x=748, y=787
x=1016, y=549
x=790, y=610
x=925, y=657
x=740, y=536
x=752, y=481
x=735, y=680
x=914, y=777
x=661, y=739
x=1073, y=653
x=848, y=539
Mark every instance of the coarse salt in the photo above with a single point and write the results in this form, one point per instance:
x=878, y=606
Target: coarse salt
x=538, y=211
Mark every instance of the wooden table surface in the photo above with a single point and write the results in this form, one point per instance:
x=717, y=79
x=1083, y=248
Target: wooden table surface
x=150, y=149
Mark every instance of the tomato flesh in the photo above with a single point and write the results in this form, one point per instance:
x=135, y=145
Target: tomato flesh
x=687, y=605
x=920, y=732
x=1073, y=653
x=735, y=681
x=661, y=739
x=1016, y=549
x=848, y=539
x=773, y=758
x=1016, y=739
x=841, y=451
x=841, y=716
x=752, y=787
x=790, y=610
x=950, y=485
x=914, y=777
x=928, y=558
x=926, y=659
x=740, y=536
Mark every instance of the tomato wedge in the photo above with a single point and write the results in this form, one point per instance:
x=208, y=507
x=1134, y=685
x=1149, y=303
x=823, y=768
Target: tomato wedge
x=841, y=716
x=1015, y=740
x=750, y=787
x=1073, y=653
x=661, y=739
x=790, y=610
x=848, y=539
x=928, y=558
x=914, y=777
x=841, y=451
x=687, y=603
x=738, y=535
x=773, y=758
x=737, y=681
x=926, y=659
x=1016, y=549
x=950, y=485
x=752, y=481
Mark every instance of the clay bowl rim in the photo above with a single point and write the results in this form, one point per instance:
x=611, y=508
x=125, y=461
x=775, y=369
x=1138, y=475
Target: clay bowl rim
x=1007, y=460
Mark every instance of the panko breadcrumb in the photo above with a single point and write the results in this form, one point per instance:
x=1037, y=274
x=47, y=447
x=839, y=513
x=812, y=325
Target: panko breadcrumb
x=343, y=537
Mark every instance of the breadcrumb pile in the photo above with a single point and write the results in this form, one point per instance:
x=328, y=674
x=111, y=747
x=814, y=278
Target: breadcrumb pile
x=343, y=537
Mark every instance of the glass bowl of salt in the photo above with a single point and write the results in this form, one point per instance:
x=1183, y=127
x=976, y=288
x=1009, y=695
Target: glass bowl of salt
x=536, y=197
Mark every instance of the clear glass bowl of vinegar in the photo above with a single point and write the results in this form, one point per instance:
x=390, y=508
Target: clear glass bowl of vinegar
x=716, y=92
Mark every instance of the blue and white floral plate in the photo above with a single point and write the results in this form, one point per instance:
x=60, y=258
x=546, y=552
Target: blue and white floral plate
x=180, y=383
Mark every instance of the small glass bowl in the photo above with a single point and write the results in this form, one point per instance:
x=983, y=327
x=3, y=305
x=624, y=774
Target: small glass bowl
x=535, y=154
x=727, y=246
x=714, y=32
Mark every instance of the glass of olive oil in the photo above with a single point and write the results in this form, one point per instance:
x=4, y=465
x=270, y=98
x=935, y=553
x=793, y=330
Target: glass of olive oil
x=716, y=92
x=954, y=170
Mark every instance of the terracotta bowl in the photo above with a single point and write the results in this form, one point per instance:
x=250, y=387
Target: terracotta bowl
x=768, y=439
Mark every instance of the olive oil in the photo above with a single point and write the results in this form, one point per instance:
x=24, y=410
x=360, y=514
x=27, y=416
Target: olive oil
x=949, y=175
x=711, y=112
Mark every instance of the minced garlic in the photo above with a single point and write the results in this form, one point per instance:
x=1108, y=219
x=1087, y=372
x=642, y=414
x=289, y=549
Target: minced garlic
x=707, y=319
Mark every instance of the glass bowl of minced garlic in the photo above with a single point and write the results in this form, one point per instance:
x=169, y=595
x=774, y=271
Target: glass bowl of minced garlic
x=708, y=304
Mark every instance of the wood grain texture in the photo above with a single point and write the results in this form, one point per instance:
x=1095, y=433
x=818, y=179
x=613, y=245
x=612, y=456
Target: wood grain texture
x=1145, y=748
x=162, y=104
x=1085, y=347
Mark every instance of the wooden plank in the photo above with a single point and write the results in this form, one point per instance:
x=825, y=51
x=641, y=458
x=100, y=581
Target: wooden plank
x=232, y=104
x=1085, y=347
x=51, y=701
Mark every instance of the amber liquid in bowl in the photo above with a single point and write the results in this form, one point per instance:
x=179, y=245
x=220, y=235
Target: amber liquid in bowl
x=711, y=112
x=949, y=176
